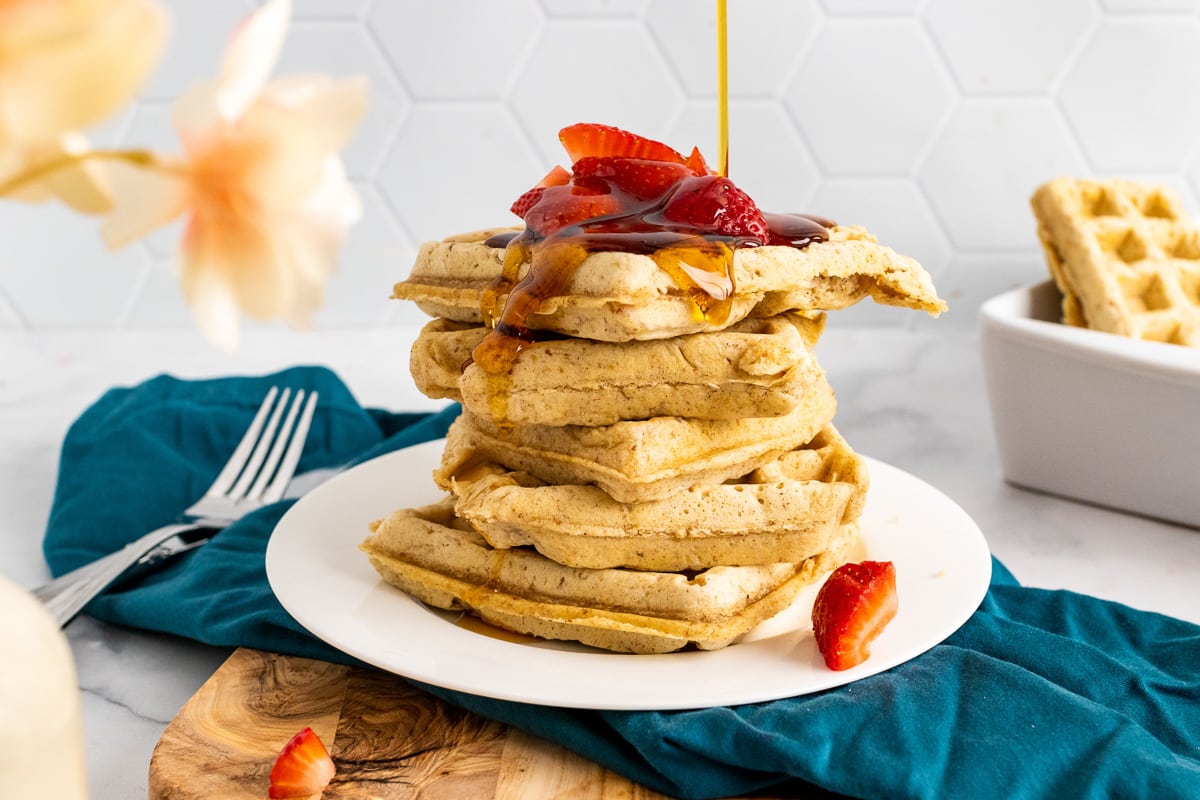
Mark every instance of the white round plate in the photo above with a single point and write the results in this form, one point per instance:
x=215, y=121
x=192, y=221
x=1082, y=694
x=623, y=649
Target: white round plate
x=319, y=575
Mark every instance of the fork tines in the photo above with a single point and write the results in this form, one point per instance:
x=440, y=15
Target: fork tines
x=265, y=460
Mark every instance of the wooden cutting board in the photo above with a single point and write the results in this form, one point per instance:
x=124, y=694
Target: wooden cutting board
x=388, y=739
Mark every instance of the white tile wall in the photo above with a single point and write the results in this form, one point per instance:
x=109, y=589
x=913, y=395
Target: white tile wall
x=928, y=121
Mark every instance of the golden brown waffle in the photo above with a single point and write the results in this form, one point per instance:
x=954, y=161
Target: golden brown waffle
x=1125, y=255
x=437, y=558
x=788, y=510
x=755, y=368
x=616, y=296
x=636, y=461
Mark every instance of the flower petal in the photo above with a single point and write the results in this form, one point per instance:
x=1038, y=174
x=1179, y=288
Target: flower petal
x=301, y=139
x=214, y=308
x=317, y=229
x=335, y=107
x=250, y=56
x=334, y=202
x=244, y=254
x=196, y=116
x=142, y=200
x=288, y=156
x=97, y=58
x=81, y=185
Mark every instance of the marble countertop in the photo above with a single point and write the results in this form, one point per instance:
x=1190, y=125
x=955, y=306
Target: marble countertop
x=913, y=398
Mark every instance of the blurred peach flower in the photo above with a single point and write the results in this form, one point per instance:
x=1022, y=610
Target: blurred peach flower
x=66, y=65
x=261, y=184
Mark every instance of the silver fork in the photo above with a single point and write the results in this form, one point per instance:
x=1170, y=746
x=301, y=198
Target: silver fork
x=257, y=473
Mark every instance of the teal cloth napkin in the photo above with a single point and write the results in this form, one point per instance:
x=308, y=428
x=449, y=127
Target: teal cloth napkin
x=1040, y=694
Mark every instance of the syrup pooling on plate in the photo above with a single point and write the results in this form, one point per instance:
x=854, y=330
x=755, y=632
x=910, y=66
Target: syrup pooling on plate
x=626, y=194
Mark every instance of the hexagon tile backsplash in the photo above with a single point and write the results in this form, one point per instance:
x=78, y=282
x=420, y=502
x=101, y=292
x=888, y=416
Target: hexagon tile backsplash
x=928, y=121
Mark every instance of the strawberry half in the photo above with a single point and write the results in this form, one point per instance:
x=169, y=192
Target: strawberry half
x=303, y=767
x=560, y=206
x=555, y=177
x=641, y=177
x=585, y=139
x=853, y=607
x=712, y=203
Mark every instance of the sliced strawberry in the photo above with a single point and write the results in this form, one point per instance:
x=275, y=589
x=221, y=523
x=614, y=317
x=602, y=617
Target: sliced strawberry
x=527, y=201
x=853, y=607
x=303, y=767
x=555, y=177
x=585, y=139
x=560, y=206
x=640, y=177
x=713, y=203
x=697, y=164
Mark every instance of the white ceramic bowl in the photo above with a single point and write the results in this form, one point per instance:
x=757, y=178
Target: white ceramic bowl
x=1092, y=416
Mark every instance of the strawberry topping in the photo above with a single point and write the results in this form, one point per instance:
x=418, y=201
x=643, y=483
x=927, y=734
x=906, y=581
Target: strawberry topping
x=555, y=177
x=697, y=164
x=641, y=177
x=712, y=203
x=557, y=207
x=637, y=177
x=527, y=201
x=589, y=139
x=303, y=767
x=852, y=608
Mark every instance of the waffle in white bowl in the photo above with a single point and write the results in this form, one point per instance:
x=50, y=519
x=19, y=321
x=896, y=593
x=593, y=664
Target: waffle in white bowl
x=1110, y=420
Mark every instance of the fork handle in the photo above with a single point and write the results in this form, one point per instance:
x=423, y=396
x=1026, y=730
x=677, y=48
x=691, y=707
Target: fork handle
x=66, y=595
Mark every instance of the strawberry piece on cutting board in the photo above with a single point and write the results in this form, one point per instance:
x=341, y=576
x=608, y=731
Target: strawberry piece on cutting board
x=303, y=768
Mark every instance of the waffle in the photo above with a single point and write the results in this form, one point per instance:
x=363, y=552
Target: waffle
x=755, y=368
x=437, y=558
x=787, y=510
x=1125, y=256
x=634, y=461
x=619, y=296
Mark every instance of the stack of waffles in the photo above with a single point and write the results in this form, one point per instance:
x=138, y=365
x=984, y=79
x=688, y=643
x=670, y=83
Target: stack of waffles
x=642, y=477
x=1125, y=256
